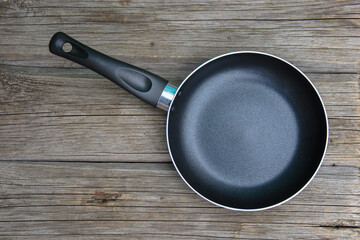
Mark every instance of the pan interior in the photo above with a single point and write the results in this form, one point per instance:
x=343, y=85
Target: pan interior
x=247, y=131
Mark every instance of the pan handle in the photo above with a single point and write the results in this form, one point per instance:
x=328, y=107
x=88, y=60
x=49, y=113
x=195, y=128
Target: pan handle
x=143, y=84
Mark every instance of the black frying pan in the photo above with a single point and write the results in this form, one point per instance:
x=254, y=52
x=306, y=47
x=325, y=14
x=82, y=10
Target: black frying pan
x=245, y=130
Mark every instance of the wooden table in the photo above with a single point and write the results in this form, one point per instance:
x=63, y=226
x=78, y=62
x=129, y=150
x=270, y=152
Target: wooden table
x=80, y=158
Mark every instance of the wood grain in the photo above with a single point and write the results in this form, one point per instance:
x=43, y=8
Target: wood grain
x=82, y=159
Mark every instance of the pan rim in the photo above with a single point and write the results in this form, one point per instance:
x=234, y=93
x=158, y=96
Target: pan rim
x=246, y=209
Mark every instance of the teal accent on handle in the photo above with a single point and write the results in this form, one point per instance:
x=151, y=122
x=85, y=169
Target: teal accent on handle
x=170, y=89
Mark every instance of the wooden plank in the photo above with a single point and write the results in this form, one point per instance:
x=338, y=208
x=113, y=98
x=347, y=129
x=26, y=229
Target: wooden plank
x=126, y=194
x=93, y=119
x=176, y=229
x=308, y=40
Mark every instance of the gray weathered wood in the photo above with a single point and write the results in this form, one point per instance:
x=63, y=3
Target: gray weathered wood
x=80, y=158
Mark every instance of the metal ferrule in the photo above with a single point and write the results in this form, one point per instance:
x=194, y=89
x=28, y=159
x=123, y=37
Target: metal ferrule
x=166, y=97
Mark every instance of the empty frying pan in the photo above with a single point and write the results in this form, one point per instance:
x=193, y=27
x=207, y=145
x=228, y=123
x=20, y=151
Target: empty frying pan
x=245, y=130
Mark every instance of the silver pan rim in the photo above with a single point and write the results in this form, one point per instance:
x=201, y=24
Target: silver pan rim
x=251, y=209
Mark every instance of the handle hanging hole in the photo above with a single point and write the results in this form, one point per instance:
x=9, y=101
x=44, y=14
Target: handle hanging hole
x=67, y=47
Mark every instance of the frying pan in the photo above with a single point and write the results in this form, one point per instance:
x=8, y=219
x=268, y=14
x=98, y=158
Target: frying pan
x=245, y=130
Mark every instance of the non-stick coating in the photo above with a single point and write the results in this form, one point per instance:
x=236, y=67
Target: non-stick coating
x=247, y=131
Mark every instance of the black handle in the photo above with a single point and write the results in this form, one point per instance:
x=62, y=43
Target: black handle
x=141, y=83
